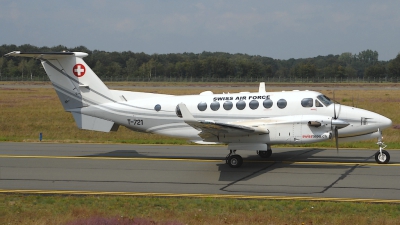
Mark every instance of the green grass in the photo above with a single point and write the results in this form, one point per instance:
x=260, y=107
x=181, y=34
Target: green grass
x=48, y=209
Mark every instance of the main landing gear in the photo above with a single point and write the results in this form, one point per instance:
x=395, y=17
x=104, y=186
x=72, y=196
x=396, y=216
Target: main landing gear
x=382, y=156
x=234, y=160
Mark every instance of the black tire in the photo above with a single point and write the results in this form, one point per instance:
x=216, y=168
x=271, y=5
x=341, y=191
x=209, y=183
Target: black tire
x=265, y=154
x=382, y=159
x=235, y=161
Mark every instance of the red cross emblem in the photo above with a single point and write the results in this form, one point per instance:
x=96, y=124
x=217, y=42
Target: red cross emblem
x=79, y=70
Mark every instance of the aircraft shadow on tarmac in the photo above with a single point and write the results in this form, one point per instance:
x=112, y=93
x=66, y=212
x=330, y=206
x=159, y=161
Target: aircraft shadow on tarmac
x=278, y=185
x=136, y=154
x=119, y=154
x=253, y=165
x=302, y=155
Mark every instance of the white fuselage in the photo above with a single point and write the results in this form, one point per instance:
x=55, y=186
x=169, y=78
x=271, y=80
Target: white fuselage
x=156, y=113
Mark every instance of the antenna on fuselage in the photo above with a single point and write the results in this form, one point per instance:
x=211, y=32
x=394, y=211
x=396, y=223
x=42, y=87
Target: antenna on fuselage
x=261, y=89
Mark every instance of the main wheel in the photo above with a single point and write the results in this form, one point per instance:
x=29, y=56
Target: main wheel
x=382, y=158
x=265, y=154
x=235, y=161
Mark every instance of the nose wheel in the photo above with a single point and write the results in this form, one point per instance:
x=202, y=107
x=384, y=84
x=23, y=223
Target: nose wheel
x=382, y=156
x=234, y=160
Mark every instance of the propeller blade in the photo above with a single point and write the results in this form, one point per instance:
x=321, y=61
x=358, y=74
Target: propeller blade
x=337, y=139
x=336, y=125
x=334, y=105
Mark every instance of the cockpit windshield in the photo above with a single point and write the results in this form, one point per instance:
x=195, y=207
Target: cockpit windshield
x=325, y=100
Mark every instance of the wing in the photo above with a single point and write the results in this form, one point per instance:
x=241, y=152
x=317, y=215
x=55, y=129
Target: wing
x=211, y=129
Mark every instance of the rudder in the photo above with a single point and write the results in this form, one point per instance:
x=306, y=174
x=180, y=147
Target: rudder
x=77, y=87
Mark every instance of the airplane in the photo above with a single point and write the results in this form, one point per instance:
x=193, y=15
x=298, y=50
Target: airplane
x=244, y=121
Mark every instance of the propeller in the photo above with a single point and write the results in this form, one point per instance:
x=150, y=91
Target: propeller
x=335, y=130
x=337, y=123
x=334, y=105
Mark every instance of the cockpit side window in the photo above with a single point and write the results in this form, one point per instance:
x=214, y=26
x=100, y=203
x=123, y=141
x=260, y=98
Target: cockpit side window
x=325, y=100
x=318, y=104
x=307, y=102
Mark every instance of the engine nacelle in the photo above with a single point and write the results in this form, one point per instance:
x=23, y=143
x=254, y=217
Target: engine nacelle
x=298, y=129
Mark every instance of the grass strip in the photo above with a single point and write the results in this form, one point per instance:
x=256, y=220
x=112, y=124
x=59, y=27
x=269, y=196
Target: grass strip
x=70, y=209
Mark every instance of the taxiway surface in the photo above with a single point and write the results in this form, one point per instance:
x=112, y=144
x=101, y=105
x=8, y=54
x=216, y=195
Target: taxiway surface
x=297, y=172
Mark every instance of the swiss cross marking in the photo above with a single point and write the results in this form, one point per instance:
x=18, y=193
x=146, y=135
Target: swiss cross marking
x=79, y=70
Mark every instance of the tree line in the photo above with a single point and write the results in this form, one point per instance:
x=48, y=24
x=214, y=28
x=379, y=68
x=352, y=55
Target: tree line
x=224, y=66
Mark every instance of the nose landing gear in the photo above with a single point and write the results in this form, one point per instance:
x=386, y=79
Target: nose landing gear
x=382, y=156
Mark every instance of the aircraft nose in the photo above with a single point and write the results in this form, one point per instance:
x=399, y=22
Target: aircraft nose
x=385, y=122
x=381, y=122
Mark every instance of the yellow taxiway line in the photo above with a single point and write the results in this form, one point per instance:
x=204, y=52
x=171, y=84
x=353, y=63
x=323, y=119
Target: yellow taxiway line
x=226, y=196
x=108, y=158
x=197, y=160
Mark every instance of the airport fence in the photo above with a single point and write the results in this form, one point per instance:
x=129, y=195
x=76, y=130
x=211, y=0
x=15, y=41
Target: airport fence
x=218, y=79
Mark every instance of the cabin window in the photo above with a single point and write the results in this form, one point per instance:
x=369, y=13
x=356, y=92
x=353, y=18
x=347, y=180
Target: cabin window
x=307, y=102
x=214, y=106
x=202, y=106
x=228, y=105
x=178, y=111
x=282, y=103
x=268, y=103
x=318, y=104
x=253, y=104
x=157, y=107
x=241, y=105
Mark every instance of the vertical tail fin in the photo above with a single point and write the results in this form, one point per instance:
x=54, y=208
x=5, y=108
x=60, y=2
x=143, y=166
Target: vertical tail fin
x=75, y=82
x=77, y=86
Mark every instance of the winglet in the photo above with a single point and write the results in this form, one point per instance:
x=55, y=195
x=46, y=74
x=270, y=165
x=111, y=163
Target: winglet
x=186, y=115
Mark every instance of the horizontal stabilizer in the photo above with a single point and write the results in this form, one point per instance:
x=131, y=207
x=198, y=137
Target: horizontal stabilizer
x=46, y=55
x=86, y=122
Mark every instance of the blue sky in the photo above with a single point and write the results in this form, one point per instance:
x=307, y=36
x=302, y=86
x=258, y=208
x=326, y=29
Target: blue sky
x=279, y=29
